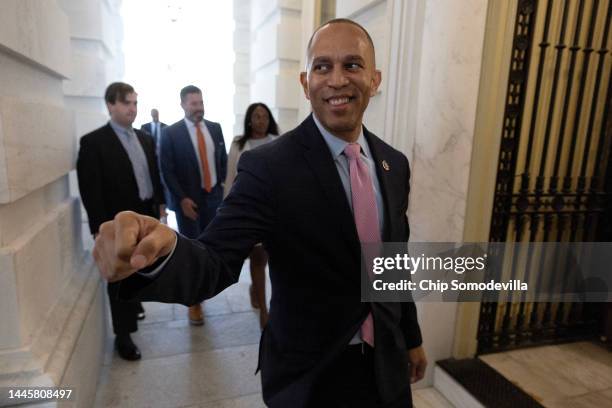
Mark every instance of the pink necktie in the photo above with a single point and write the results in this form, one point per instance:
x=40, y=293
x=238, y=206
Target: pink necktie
x=365, y=213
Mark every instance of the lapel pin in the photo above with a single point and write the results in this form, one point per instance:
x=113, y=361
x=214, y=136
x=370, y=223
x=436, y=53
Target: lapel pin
x=385, y=165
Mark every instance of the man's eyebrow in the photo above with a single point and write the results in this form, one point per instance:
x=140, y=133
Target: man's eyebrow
x=321, y=59
x=351, y=57
x=354, y=57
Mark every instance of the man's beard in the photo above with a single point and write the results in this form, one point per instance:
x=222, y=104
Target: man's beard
x=197, y=116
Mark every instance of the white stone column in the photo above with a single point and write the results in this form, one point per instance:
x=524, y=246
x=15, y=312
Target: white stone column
x=242, y=72
x=276, y=32
x=51, y=298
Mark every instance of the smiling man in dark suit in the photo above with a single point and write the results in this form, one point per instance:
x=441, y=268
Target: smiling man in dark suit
x=311, y=197
x=193, y=162
x=117, y=171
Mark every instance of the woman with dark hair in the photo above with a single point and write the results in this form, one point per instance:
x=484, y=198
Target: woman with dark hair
x=259, y=128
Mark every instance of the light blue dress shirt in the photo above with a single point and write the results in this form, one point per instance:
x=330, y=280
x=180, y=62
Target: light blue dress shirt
x=137, y=156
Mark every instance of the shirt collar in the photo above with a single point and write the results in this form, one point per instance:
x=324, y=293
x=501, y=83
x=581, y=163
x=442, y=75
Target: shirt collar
x=337, y=145
x=120, y=130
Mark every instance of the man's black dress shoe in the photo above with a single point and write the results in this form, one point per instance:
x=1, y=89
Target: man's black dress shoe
x=126, y=348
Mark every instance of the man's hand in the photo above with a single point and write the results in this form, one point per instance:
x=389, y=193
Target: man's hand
x=190, y=209
x=129, y=243
x=418, y=364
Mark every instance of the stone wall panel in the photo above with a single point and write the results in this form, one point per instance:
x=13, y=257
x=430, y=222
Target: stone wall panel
x=84, y=16
x=22, y=80
x=89, y=79
x=41, y=261
x=9, y=312
x=38, y=146
x=23, y=214
x=40, y=36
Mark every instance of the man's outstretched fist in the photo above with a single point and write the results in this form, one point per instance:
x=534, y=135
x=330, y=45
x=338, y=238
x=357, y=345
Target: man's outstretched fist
x=129, y=243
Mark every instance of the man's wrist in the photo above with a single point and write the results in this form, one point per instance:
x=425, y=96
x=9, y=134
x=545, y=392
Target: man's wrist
x=154, y=269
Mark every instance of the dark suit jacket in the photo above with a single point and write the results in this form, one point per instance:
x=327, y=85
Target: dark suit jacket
x=288, y=195
x=106, y=177
x=179, y=163
x=148, y=127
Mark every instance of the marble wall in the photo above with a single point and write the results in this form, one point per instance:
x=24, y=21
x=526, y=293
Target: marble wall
x=56, y=57
x=451, y=58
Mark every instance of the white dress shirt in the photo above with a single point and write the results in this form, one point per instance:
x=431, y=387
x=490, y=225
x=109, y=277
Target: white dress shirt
x=210, y=149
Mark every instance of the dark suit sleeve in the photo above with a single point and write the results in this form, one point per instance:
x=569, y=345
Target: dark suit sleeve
x=167, y=165
x=144, y=128
x=89, y=174
x=199, y=269
x=409, y=322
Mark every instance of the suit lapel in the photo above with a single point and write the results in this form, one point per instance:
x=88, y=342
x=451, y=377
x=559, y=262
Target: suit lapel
x=188, y=145
x=383, y=175
x=321, y=162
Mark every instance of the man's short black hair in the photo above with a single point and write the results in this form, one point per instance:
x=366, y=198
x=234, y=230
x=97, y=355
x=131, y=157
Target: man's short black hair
x=339, y=21
x=117, y=91
x=189, y=89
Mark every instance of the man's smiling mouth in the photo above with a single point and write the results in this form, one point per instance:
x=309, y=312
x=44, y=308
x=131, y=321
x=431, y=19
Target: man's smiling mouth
x=339, y=100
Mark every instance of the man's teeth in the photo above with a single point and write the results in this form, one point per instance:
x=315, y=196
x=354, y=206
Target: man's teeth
x=338, y=101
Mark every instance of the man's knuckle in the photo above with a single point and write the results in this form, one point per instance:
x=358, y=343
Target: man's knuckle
x=105, y=228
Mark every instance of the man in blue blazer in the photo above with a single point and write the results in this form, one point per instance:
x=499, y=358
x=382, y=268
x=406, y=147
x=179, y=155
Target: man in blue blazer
x=311, y=197
x=193, y=163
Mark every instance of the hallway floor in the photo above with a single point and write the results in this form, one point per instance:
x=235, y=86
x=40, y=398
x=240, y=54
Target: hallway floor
x=206, y=367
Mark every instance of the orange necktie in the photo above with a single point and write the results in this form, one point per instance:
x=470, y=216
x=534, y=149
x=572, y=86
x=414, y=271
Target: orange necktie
x=203, y=159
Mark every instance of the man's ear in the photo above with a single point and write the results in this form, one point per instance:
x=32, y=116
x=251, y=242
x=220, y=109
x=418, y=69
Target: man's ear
x=304, y=82
x=376, y=79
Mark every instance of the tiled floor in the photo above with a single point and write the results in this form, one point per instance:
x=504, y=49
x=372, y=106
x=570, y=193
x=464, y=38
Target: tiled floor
x=563, y=376
x=206, y=367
